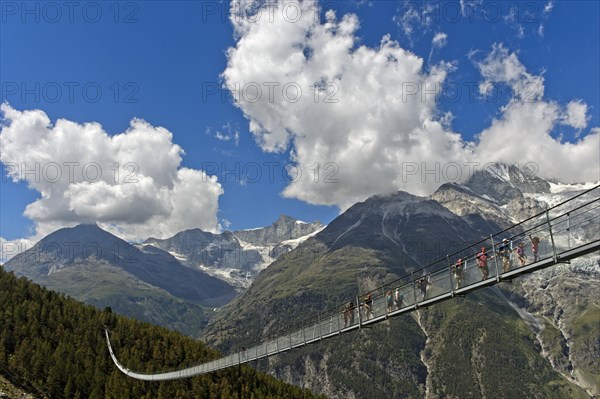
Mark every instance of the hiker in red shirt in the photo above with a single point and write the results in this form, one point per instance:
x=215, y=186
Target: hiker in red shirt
x=482, y=259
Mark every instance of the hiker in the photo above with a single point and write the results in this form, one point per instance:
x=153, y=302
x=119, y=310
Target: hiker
x=422, y=284
x=349, y=314
x=458, y=270
x=398, y=298
x=482, y=259
x=521, y=253
x=390, y=301
x=504, y=251
x=535, y=244
x=351, y=308
x=368, y=306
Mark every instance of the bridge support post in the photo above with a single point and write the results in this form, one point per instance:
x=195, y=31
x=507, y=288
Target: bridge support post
x=569, y=230
x=385, y=301
x=450, y=273
x=555, y=257
x=319, y=324
x=304, y=335
x=330, y=324
x=495, y=258
x=358, y=311
x=412, y=278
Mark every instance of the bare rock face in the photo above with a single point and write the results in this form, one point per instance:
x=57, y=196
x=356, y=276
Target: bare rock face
x=562, y=301
x=503, y=182
x=285, y=228
x=521, y=208
x=567, y=300
x=465, y=202
x=501, y=193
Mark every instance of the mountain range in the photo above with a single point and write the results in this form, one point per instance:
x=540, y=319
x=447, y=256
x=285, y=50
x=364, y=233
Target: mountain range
x=237, y=257
x=534, y=337
x=523, y=339
x=174, y=282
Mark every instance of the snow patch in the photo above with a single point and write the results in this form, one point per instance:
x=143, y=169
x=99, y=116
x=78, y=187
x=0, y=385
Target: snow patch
x=232, y=276
x=500, y=171
x=355, y=225
x=178, y=256
x=297, y=241
x=561, y=187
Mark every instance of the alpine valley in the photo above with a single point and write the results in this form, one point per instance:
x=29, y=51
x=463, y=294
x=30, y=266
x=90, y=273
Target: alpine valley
x=176, y=282
x=536, y=337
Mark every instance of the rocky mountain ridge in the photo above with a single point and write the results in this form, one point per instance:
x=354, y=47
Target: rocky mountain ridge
x=237, y=257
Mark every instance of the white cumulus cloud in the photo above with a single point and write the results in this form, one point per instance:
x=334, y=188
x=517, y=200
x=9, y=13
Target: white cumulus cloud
x=439, y=40
x=576, y=114
x=131, y=183
x=502, y=67
x=374, y=108
x=383, y=115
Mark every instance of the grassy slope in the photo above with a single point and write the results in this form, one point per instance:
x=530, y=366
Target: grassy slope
x=104, y=285
x=386, y=354
x=587, y=327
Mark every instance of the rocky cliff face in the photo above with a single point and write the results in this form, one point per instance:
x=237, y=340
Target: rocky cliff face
x=503, y=183
x=285, y=228
x=565, y=302
x=502, y=193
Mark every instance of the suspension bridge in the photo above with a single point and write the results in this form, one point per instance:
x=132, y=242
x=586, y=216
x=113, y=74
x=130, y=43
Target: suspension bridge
x=564, y=232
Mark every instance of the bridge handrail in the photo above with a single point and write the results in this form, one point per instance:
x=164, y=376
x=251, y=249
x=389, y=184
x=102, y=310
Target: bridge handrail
x=452, y=255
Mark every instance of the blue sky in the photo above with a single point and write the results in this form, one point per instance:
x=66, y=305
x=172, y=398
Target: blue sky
x=109, y=62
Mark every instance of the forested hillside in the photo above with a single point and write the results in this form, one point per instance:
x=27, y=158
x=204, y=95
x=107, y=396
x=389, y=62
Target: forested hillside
x=53, y=346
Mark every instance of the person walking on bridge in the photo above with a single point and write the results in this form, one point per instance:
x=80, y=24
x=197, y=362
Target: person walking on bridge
x=535, y=246
x=504, y=251
x=389, y=297
x=521, y=253
x=422, y=285
x=368, y=306
x=458, y=270
x=349, y=314
x=482, y=259
x=398, y=298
